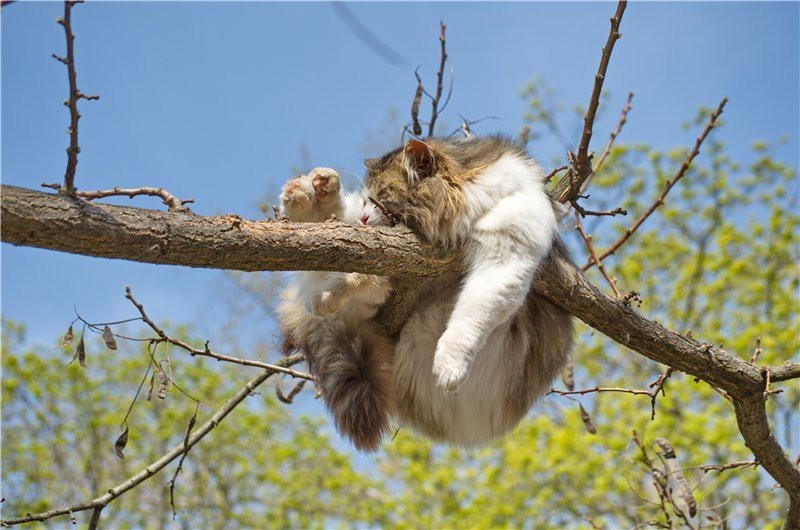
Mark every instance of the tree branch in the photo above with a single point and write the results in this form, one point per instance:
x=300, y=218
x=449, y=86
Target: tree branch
x=667, y=186
x=74, y=96
x=36, y=219
x=582, y=168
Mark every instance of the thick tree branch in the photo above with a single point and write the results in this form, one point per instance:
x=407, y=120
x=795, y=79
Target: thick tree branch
x=56, y=222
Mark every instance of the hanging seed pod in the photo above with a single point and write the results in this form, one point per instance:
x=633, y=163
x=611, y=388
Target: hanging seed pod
x=80, y=353
x=122, y=441
x=67, y=338
x=149, y=395
x=108, y=337
x=163, y=383
x=587, y=420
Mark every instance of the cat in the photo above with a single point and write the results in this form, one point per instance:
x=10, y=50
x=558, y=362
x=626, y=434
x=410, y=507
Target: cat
x=479, y=347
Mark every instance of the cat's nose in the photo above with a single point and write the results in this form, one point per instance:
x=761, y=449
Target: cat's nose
x=364, y=219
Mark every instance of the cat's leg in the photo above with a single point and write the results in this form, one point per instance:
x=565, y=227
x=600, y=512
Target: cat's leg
x=313, y=197
x=367, y=288
x=502, y=254
x=353, y=366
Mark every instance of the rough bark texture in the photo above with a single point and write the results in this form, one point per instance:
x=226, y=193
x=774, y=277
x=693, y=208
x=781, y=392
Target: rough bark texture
x=56, y=222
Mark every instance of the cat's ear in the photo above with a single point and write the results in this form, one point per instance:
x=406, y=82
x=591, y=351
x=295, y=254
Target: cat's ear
x=419, y=160
x=371, y=163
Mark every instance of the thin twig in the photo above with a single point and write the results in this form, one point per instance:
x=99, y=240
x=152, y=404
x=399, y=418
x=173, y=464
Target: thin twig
x=606, y=151
x=667, y=186
x=757, y=351
x=599, y=389
x=168, y=457
x=466, y=124
x=724, y=467
x=389, y=215
x=172, y=482
x=613, y=136
x=74, y=96
x=206, y=352
x=767, y=390
x=588, y=240
x=440, y=84
x=172, y=202
x=582, y=169
x=553, y=173
x=610, y=213
x=656, y=387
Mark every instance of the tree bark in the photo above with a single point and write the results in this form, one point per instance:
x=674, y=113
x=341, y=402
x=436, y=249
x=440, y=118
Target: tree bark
x=57, y=222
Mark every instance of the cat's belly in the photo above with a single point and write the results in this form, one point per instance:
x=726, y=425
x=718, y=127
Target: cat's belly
x=486, y=405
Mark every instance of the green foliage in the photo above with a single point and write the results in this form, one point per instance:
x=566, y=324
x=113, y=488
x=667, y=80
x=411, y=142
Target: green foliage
x=264, y=463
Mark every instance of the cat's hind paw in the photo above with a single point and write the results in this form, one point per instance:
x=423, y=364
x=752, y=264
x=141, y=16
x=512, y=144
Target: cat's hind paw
x=326, y=303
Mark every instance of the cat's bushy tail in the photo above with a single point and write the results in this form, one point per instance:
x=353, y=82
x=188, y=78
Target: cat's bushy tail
x=353, y=367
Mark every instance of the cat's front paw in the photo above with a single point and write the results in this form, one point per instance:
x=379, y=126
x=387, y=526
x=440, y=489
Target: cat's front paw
x=297, y=197
x=326, y=185
x=450, y=367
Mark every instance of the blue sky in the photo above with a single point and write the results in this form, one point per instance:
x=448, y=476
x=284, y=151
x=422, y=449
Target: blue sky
x=218, y=102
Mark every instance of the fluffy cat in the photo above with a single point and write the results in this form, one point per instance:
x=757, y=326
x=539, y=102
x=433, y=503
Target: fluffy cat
x=479, y=346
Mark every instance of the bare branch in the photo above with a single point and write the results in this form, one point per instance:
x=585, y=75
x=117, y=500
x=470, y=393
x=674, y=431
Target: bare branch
x=553, y=173
x=74, y=96
x=588, y=240
x=206, y=352
x=724, y=467
x=622, y=120
x=667, y=186
x=582, y=169
x=757, y=351
x=610, y=213
x=172, y=202
x=440, y=84
x=599, y=389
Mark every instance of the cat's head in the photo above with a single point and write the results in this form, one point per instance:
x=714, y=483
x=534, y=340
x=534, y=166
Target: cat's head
x=419, y=185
